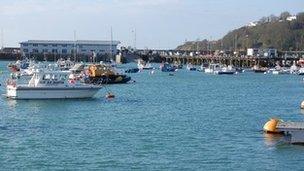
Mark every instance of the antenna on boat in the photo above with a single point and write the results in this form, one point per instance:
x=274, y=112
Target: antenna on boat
x=74, y=50
x=111, y=44
x=134, y=31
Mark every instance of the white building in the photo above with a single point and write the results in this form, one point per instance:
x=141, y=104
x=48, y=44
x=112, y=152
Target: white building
x=290, y=18
x=252, y=52
x=63, y=47
x=252, y=24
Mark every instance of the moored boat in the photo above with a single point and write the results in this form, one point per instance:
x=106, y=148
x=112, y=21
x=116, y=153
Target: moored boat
x=226, y=70
x=50, y=85
x=105, y=74
x=166, y=67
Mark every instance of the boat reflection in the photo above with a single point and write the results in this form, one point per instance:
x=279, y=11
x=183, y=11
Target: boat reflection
x=273, y=139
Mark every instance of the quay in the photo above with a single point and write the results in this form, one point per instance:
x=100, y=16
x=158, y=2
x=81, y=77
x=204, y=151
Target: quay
x=238, y=60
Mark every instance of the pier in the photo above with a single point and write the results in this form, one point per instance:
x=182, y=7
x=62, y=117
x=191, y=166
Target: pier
x=239, y=60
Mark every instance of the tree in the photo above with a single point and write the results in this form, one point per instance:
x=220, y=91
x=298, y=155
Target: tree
x=284, y=15
x=263, y=20
x=273, y=18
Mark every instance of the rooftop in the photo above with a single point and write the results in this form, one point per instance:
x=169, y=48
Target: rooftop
x=95, y=42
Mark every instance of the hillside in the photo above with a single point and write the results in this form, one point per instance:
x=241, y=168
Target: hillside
x=272, y=31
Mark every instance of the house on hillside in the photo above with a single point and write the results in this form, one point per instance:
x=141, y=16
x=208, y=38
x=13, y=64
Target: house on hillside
x=252, y=24
x=292, y=17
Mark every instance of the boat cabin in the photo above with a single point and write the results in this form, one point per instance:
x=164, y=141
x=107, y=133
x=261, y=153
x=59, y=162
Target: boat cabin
x=52, y=78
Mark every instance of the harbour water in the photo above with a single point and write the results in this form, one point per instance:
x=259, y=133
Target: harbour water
x=189, y=121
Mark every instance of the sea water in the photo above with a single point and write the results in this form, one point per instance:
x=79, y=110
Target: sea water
x=188, y=121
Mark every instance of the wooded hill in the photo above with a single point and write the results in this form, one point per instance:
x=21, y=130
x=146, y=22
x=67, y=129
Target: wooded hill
x=271, y=31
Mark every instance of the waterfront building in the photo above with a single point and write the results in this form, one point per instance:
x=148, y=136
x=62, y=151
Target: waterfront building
x=252, y=52
x=270, y=52
x=68, y=47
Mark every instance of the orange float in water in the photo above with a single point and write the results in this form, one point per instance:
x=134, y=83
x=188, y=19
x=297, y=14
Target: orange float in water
x=271, y=126
x=110, y=96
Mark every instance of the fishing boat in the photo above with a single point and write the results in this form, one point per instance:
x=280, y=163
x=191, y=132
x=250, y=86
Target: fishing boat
x=226, y=70
x=142, y=65
x=203, y=67
x=258, y=69
x=190, y=67
x=294, y=68
x=212, y=68
x=105, y=74
x=166, y=67
x=178, y=65
x=301, y=71
x=46, y=84
x=132, y=70
x=279, y=70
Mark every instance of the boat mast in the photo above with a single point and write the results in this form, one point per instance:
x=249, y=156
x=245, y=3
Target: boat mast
x=74, y=49
x=111, y=44
x=134, y=39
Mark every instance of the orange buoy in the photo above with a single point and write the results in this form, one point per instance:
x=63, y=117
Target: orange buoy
x=110, y=96
x=271, y=126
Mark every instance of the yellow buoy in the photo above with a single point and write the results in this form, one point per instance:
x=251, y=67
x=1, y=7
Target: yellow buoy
x=271, y=126
x=302, y=105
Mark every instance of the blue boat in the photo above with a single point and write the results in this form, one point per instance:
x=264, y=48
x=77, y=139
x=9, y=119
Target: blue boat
x=166, y=67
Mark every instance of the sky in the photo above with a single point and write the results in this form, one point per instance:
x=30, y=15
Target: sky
x=158, y=24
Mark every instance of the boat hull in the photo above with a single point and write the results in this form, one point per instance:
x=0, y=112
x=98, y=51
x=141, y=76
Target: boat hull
x=51, y=92
x=226, y=73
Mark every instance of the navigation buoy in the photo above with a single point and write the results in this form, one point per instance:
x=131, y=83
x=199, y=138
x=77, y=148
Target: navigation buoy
x=271, y=126
x=302, y=105
x=110, y=96
x=265, y=73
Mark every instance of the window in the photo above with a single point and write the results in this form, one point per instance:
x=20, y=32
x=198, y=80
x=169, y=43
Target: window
x=35, y=44
x=25, y=50
x=44, y=50
x=45, y=45
x=35, y=51
x=54, y=45
x=83, y=50
x=54, y=51
x=25, y=44
x=64, y=51
x=64, y=45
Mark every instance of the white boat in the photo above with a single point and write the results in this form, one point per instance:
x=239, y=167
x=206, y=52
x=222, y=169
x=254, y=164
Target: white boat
x=50, y=85
x=280, y=70
x=294, y=68
x=227, y=70
x=301, y=71
x=212, y=68
x=190, y=67
x=144, y=66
